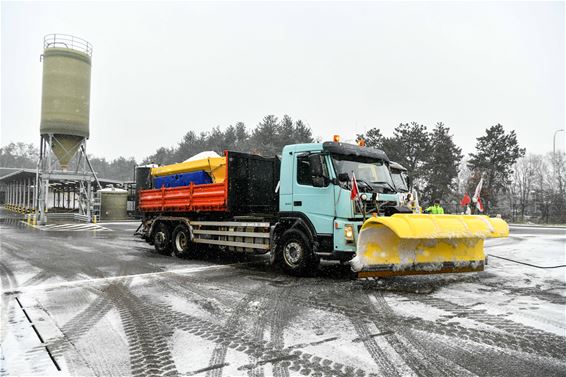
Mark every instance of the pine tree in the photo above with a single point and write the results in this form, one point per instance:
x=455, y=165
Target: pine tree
x=230, y=138
x=496, y=153
x=264, y=136
x=409, y=146
x=302, y=133
x=285, y=132
x=242, y=137
x=441, y=165
x=373, y=138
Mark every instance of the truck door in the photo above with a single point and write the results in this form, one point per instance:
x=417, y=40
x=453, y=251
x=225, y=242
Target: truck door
x=317, y=203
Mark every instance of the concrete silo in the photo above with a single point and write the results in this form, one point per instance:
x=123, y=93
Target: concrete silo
x=65, y=102
x=64, y=126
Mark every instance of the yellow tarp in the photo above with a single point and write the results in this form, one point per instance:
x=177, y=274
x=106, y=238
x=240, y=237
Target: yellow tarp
x=215, y=166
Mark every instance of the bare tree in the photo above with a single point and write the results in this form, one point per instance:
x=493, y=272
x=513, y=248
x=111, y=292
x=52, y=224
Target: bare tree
x=523, y=182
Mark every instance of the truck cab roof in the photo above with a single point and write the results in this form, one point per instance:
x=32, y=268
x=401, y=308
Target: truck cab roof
x=338, y=148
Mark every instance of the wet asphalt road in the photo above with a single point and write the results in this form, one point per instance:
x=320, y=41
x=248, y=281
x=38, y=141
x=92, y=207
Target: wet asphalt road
x=94, y=300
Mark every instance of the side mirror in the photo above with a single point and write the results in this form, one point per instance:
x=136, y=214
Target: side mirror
x=343, y=177
x=316, y=165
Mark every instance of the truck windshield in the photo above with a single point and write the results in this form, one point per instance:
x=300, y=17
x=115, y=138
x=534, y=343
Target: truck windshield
x=370, y=171
x=399, y=180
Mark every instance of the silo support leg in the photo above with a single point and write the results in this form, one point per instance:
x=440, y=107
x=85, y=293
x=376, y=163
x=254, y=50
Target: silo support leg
x=43, y=195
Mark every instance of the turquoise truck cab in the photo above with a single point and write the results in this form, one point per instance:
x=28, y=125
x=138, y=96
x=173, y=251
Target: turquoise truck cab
x=315, y=186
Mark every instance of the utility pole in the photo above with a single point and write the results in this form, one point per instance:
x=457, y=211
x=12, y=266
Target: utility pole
x=554, y=142
x=556, y=172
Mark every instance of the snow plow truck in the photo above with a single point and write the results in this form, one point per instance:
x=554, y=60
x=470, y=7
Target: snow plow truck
x=298, y=208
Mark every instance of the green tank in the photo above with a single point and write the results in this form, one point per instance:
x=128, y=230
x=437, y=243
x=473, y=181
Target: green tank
x=113, y=204
x=65, y=102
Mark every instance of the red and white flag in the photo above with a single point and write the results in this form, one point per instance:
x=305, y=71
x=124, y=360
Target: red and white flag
x=465, y=200
x=476, y=199
x=355, y=192
x=479, y=205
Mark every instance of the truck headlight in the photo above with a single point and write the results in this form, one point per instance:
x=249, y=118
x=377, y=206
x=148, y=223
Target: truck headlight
x=349, y=232
x=364, y=197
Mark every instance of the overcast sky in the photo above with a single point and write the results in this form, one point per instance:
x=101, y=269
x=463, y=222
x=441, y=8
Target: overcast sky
x=161, y=69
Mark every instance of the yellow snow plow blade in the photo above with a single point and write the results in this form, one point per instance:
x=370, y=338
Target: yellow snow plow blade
x=415, y=244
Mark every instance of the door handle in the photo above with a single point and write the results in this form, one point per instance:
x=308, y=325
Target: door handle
x=298, y=203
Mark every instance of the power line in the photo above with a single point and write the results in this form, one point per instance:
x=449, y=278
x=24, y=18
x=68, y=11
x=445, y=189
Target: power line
x=526, y=264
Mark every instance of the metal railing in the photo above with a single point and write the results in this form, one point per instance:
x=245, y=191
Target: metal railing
x=67, y=41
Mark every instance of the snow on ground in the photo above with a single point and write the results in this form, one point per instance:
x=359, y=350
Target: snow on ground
x=545, y=250
x=108, y=305
x=520, y=292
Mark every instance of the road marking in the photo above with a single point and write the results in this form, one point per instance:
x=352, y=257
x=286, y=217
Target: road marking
x=69, y=227
x=562, y=228
x=121, y=222
x=113, y=278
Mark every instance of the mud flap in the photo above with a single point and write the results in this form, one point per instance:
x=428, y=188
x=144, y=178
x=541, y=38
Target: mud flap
x=416, y=244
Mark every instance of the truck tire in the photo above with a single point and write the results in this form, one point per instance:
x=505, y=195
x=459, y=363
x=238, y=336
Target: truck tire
x=181, y=240
x=162, y=239
x=295, y=255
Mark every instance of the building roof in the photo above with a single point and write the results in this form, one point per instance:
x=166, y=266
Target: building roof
x=8, y=175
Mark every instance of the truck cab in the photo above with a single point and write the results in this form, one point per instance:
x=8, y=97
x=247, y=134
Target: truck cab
x=315, y=186
x=399, y=176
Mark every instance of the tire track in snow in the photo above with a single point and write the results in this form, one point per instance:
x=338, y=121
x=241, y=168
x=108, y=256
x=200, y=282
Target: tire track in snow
x=361, y=326
x=324, y=301
x=8, y=282
x=191, y=286
x=51, y=267
x=260, y=322
x=545, y=295
x=40, y=277
x=147, y=337
x=281, y=315
x=273, y=307
x=378, y=355
x=514, y=342
x=301, y=362
x=406, y=345
x=218, y=356
x=484, y=360
x=360, y=318
x=361, y=313
x=505, y=341
x=78, y=327
x=80, y=324
x=482, y=316
x=269, y=310
x=482, y=338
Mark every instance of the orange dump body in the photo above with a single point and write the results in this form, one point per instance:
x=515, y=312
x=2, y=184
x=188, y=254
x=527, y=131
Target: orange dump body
x=193, y=198
x=237, y=194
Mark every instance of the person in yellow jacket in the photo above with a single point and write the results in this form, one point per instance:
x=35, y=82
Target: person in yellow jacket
x=435, y=209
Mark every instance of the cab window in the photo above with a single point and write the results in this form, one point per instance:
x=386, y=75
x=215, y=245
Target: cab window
x=304, y=174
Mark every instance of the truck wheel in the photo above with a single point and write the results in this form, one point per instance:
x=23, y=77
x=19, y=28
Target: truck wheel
x=295, y=254
x=162, y=239
x=182, y=245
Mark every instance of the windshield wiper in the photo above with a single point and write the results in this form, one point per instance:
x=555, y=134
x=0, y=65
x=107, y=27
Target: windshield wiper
x=365, y=183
